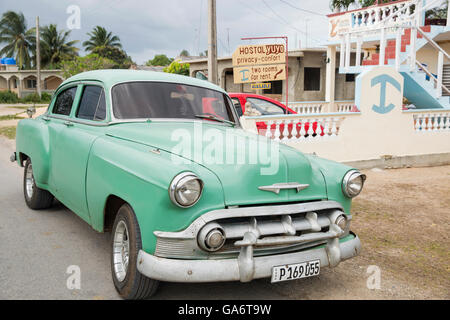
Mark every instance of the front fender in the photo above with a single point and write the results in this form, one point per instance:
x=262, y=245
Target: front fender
x=141, y=177
x=32, y=140
x=333, y=173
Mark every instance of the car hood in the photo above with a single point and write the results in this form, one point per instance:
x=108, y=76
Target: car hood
x=244, y=163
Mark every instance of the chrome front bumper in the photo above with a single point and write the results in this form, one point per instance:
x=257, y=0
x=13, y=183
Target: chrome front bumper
x=244, y=268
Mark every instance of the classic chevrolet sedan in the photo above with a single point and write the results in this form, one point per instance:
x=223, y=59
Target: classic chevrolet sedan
x=151, y=157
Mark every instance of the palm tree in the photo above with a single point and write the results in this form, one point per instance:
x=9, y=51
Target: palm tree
x=338, y=5
x=20, y=41
x=55, y=46
x=99, y=37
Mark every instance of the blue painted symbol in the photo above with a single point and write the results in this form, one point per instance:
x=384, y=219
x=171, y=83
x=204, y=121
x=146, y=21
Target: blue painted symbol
x=244, y=77
x=382, y=80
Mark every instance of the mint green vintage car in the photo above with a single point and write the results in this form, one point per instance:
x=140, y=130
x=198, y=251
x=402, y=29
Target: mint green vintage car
x=162, y=162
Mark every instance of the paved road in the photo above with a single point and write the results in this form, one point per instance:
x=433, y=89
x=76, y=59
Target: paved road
x=37, y=247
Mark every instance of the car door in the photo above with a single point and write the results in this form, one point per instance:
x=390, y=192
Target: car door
x=72, y=136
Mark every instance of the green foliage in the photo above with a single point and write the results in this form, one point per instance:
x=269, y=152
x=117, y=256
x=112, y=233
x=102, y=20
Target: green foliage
x=184, y=53
x=178, y=68
x=342, y=4
x=117, y=55
x=11, y=97
x=46, y=97
x=80, y=64
x=55, y=47
x=159, y=60
x=438, y=13
x=31, y=98
x=8, y=97
x=99, y=37
x=18, y=39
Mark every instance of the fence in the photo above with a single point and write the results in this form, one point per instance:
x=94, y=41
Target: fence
x=359, y=136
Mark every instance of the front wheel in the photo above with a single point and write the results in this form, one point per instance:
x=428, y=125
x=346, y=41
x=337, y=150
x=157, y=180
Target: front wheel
x=35, y=198
x=126, y=243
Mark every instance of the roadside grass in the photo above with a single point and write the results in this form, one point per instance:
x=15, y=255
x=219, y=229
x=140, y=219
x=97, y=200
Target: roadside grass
x=26, y=107
x=8, y=132
x=10, y=117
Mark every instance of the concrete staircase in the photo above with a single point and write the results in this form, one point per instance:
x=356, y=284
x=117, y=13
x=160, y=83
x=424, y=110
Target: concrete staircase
x=390, y=47
x=419, y=89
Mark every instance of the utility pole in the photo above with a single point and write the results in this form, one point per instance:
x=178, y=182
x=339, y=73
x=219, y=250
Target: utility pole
x=212, y=42
x=306, y=33
x=228, y=40
x=38, y=59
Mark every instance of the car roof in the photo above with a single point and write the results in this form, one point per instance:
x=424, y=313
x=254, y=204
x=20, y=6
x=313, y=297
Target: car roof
x=110, y=77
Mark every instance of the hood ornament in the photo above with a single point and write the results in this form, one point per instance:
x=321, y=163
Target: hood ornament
x=276, y=187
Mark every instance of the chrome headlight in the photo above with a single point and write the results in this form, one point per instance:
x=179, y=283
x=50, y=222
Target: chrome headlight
x=185, y=189
x=353, y=183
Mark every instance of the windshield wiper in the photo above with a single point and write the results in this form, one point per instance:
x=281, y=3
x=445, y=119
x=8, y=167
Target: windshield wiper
x=211, y=117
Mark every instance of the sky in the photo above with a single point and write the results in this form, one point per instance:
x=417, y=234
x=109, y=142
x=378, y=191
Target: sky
x=149, y=27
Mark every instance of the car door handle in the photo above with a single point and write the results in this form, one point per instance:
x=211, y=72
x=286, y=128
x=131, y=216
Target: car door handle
x=68, y=123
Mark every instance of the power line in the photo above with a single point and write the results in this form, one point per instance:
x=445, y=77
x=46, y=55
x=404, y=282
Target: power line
x=287, y=23
x=304, y=10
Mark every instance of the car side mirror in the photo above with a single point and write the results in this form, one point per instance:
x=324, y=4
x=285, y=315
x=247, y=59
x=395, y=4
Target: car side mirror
x=31, y=111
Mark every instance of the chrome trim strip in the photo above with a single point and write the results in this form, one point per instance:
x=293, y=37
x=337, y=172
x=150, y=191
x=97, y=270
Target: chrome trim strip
x=276, y=187
x=76, y=120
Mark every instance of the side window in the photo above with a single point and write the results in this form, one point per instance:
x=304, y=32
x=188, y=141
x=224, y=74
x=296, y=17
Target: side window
x=237, y=105
x=64, y=101
x=265, y=107
x=92, y=104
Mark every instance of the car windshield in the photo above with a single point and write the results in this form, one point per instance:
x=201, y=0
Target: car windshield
x=146, y=100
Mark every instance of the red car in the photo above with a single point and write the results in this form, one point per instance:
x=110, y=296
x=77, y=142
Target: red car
x=266, y=106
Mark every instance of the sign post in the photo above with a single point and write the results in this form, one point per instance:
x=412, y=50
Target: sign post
x=265, y=62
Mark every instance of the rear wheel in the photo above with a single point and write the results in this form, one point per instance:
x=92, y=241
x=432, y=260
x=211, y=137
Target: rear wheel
x=35, y=198
x=126, y=243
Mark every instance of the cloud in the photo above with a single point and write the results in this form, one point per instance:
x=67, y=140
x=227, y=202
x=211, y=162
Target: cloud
x=149, y=27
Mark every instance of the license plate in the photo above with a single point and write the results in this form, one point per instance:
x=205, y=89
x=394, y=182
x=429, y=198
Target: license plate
x=295, y=271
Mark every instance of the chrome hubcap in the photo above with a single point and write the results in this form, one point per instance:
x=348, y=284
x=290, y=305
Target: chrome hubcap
x=29, y=181
x=121, y=249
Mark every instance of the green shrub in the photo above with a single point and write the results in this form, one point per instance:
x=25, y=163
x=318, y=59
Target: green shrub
x=8, y=97
x=31, y=98
x=46, y=97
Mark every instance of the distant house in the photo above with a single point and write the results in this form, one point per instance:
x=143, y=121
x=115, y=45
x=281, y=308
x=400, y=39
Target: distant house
x=24, y=82
x=307, y=77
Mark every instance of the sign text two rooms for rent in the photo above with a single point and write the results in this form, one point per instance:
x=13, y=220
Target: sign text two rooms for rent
x=255, y=63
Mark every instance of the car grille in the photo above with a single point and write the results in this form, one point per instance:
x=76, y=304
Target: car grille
x=280, y=232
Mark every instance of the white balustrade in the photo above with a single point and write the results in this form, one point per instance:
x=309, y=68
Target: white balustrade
x=345, y=107
x=388, y=15
x=308, y=129
x=305, y=108
x=432, y=122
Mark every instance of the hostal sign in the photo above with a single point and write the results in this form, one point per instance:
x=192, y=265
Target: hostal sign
x=255, y=63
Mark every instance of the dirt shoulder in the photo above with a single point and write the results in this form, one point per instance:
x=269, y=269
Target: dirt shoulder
x=403, y=220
